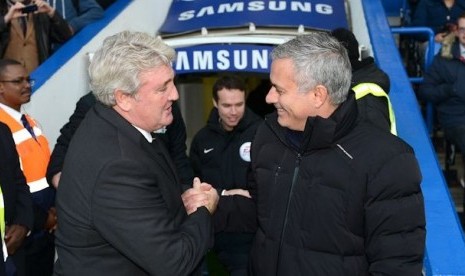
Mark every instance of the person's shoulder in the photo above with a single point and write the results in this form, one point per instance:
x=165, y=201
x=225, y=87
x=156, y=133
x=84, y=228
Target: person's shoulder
x=5, y=134
x=4, y=129
x=202, y=134
x=251, y=120
x=382, y=142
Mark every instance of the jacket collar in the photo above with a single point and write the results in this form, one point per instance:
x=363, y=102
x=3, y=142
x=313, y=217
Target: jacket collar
x=321, y=132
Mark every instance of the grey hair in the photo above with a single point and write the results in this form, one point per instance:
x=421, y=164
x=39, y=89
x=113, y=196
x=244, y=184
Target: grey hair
x=121, y=59
x=318, y=59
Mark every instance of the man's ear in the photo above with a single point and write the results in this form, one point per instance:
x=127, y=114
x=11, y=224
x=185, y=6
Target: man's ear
x=321, y=95
x=123, y=100
x=214, y=103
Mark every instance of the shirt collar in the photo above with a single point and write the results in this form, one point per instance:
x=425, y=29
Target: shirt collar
x=12, y=112
x=145, y=133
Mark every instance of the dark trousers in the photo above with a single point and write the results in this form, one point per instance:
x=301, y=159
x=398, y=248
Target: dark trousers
x=456, y=136
x=16, y=264
x=232, y=250
x=40, y=254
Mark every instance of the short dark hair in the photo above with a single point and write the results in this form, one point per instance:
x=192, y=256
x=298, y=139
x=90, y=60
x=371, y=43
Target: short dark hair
x=347, y=38
x=7, y=62
x=228, y=82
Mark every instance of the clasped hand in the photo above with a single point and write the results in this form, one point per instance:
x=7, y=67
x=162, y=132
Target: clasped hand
x=201, y=194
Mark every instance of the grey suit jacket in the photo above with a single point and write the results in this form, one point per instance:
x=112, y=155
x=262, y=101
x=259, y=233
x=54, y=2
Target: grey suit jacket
x=119, y=205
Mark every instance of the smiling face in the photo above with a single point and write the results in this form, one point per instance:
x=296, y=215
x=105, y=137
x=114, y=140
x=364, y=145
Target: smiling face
x=150, y=108
x=293, y=107
x=231, y=107
x=15, y=88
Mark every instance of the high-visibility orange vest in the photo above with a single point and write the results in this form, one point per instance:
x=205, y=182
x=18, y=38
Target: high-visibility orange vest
x=34, y=154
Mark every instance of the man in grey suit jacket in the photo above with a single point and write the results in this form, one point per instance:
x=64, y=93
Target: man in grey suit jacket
x=119, y=203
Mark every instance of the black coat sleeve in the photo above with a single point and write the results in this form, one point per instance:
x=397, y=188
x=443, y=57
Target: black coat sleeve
x=67, y=131
x=59, y=29
x=18, y=201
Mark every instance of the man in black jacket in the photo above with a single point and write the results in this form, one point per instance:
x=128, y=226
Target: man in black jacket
x=220, y=155
x=372, y=108
x=335, y=195
x=16, y=201
x=174, y=137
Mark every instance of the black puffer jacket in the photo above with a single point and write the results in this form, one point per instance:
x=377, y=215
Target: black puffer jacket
x=348, y=202
x=222, y=159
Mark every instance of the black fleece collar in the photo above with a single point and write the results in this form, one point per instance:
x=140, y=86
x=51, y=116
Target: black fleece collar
x=320, y=132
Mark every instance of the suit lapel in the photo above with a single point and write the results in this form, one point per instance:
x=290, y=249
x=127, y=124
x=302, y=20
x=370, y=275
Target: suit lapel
x=16, y=27
x=168, y=181
x=155, y=156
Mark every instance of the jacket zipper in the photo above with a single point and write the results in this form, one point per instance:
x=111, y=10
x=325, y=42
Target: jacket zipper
x=294, y=180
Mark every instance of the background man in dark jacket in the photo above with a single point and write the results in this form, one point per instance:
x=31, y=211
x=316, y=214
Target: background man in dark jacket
x=17, y=203
x=220, y=155
x=444, y=86
x=335, y=195
x=371, y=108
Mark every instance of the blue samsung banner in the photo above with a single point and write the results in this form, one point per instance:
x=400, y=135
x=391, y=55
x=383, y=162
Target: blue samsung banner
x=218, y=58
x=191, y=15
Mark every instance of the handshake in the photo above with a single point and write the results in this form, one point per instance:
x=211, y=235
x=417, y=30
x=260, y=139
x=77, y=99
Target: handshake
x=201, y=194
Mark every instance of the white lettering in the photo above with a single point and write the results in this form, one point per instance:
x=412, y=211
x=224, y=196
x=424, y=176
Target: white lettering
x=182, y=61
x=240, y=59
x=259, y=59
x=256, y=6
x=277, y=5
x=186, y=15
x=223, y=61
x=324, y=9
x=299, y=6
x=203, y=60
x=238, y=6
x=206, y=11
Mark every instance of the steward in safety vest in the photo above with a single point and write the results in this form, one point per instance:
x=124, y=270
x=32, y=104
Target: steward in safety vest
x=374, y=106
x=34, y=155
x=370, y=84
x=34, y=152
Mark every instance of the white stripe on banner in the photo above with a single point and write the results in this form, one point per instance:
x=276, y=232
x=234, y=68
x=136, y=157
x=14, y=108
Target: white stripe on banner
x=38, y=185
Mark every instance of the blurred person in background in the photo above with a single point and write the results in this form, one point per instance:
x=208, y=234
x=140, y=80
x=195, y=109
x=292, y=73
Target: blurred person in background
x=28, y=37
